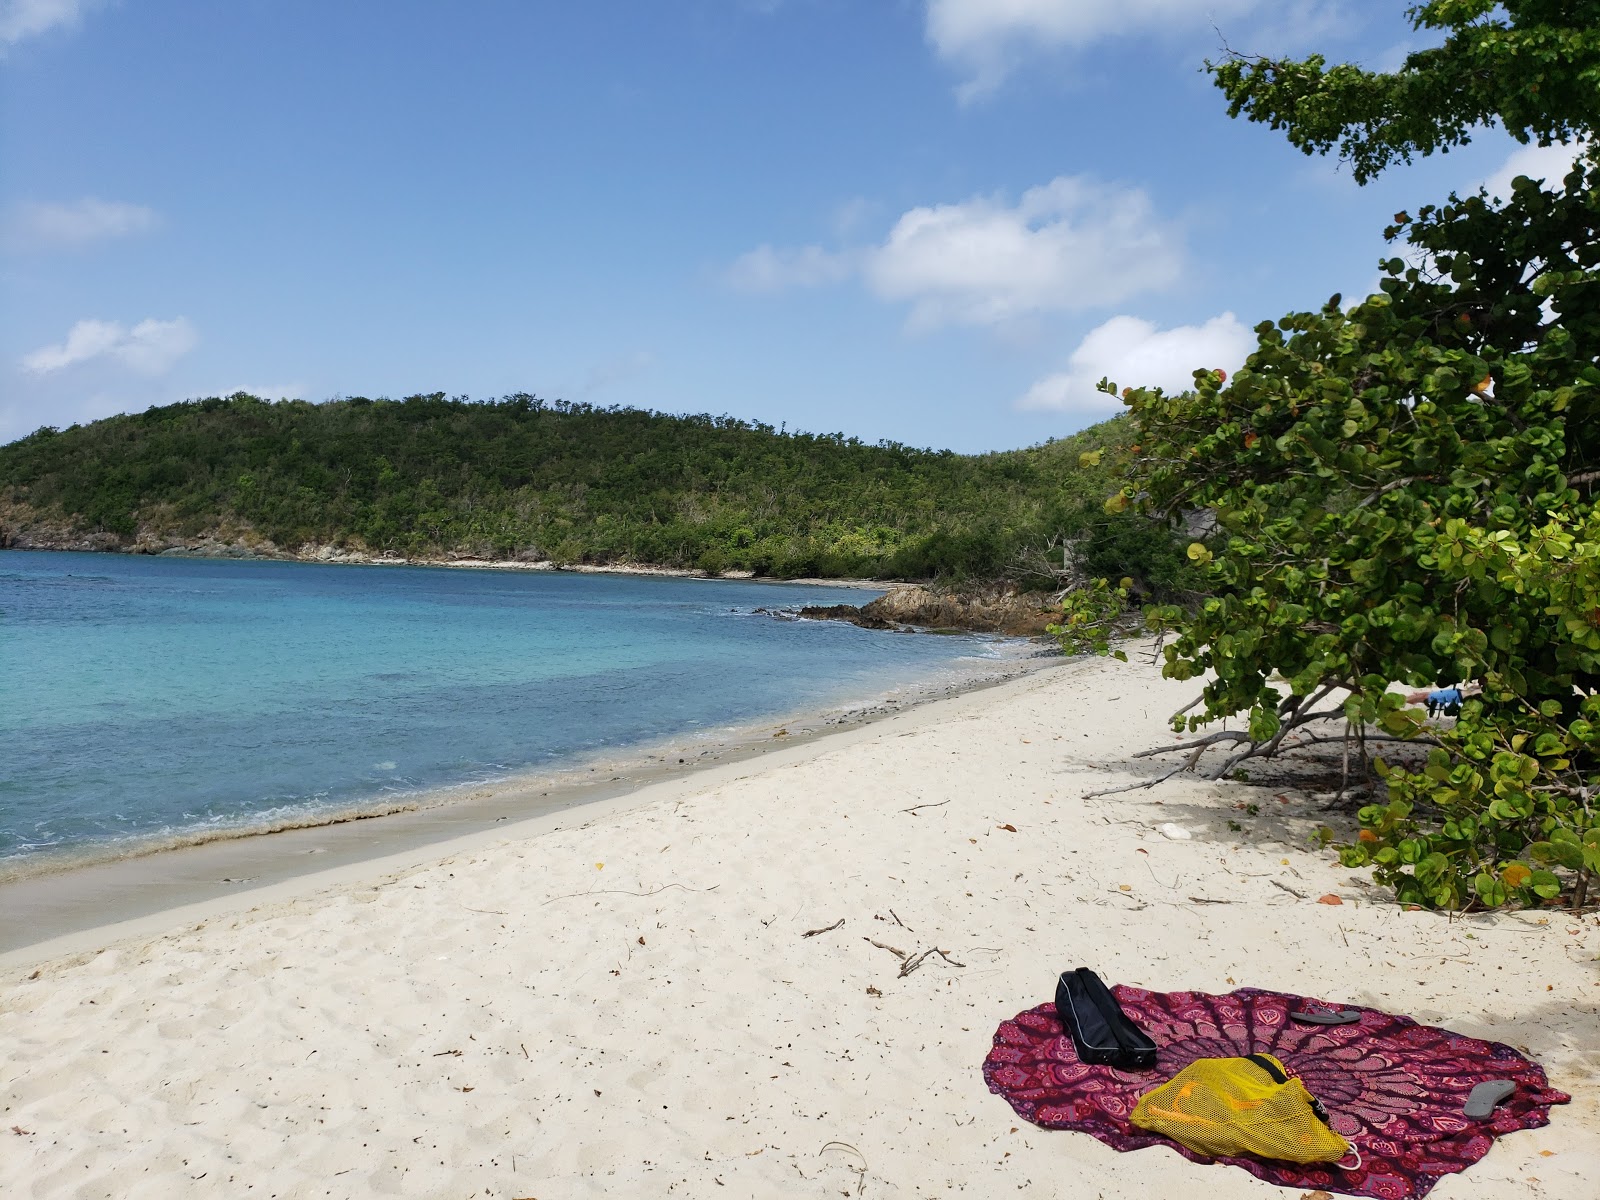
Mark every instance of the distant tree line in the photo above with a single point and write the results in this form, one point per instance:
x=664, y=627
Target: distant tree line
x=522, y=478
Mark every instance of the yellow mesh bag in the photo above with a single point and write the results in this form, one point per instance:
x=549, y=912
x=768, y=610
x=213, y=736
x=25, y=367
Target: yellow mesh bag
x=1222, y=1107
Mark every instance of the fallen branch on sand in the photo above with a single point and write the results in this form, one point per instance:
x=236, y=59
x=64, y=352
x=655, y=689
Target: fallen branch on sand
x=910, y=962
x=900, y=954
x=914, y=807
x=1297, y=712
x=824, y=929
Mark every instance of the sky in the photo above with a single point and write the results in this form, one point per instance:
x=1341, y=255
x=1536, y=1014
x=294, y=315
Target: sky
x=935, y=222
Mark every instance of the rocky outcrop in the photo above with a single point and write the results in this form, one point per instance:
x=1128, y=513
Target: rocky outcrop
x=984, y=610
x=845, y=612
x=23, y=527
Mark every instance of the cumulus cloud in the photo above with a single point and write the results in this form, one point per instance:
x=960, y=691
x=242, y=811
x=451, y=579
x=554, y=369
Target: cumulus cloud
x=985, y=37
x=151, y=347
x=21, y=19
x=1133, y=352
x=47, y=226
x=1549, y=163
x=1070, y=244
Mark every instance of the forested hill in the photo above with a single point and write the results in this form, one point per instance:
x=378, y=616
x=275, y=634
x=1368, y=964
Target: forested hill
x=518, y=478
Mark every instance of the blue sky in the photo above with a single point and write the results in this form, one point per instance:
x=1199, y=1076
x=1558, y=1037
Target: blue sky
x=932, y=221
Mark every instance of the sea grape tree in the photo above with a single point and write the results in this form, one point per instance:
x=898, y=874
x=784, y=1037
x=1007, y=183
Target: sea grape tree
x=1404, y=487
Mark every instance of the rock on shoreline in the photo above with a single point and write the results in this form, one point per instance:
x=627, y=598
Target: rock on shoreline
x=985, y=610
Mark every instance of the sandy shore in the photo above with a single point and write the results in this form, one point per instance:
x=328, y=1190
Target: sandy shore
x=625, y=1005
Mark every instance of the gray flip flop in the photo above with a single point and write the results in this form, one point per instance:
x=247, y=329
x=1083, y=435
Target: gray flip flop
x=1346, y=1016
x=1486, y=1095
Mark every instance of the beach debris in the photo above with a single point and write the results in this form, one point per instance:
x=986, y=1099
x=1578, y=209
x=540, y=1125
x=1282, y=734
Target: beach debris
x=872, y=991
x=1285, y=887
x=900, y=954
x=1174, y=833
x=450, y=1053
x=861, y=1171
x=626, y=892
x=21, y=1132
x=1007, y=828
x=1330, y=898
x=914, y=807
x=910, y=962
x=810, y=933
x=1208, y=900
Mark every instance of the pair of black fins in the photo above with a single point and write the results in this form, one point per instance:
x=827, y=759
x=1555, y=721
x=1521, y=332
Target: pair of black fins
x=1102, y=1033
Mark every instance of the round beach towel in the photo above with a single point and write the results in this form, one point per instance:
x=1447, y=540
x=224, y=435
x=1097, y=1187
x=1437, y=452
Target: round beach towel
x=1394, y=1088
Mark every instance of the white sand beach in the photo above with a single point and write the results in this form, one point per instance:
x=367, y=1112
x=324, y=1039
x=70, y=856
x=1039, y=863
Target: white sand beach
x=620, y=1000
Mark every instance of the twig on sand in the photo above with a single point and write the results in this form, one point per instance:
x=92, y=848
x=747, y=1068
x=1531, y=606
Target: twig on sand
x=1208, y=900
x=899, y=922
x=916, y=960
x=1287, y=888
x=914, y=807
x=493, y=912
x=824, y=929
x=626, y=892
x=900, y=954
x=912, y=963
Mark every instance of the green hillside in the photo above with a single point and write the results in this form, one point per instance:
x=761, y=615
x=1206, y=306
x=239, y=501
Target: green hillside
x=520, y=478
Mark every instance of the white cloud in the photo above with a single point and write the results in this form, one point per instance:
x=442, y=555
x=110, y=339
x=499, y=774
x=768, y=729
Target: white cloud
x=44, y=226
x=21, y=19
x=1549, y=163
x=1071, y=244
x=1134, y=353
x=986, y=37
x=150, y=347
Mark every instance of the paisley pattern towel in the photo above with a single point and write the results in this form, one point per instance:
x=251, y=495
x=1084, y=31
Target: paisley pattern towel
x=1393, y=1087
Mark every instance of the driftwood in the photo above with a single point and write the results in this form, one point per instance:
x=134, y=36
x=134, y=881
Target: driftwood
x=1297, y=712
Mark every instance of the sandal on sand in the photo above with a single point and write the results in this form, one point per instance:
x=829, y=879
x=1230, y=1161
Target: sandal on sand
x=1486, y=1095
x=1327, y=1016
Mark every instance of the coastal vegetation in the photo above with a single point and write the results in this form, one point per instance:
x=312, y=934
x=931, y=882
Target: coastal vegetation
x=518, y=478
x=1404, y=487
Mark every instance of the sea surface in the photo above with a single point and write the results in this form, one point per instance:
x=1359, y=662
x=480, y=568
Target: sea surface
x=145, y=701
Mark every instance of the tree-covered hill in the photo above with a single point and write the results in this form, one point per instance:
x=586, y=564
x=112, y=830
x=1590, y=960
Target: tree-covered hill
x=520, y=478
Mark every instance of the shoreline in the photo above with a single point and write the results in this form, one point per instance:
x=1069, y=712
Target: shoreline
x=700, y=985
x=330, y=557
x=101, y=886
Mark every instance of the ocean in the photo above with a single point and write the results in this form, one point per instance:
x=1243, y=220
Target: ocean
x=150, y=701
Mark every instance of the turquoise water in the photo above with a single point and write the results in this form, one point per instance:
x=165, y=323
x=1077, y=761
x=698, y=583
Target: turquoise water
x=143, y=698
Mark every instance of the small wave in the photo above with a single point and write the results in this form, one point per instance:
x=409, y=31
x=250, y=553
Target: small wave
x=15, y=866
